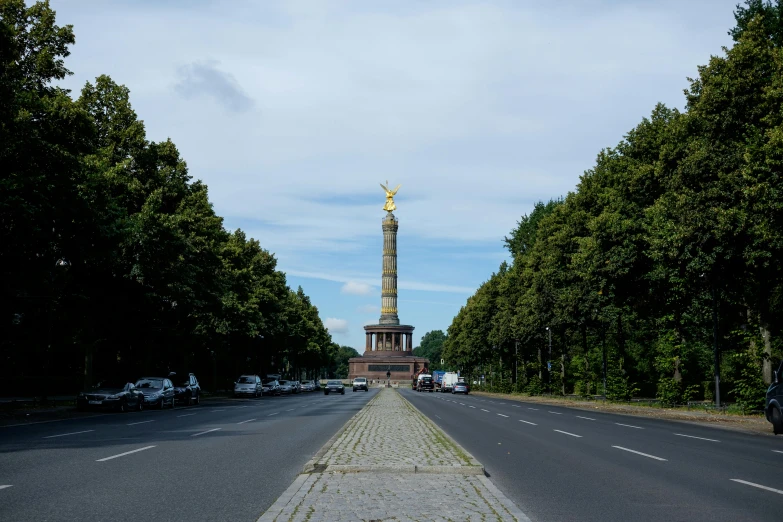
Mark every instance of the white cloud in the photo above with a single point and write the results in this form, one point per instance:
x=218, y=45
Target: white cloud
x=401, y=284
x=368, y=309
x=336, y=326
x=356, y=288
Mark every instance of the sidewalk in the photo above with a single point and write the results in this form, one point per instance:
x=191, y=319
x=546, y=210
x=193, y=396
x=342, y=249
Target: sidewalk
x=389, y=462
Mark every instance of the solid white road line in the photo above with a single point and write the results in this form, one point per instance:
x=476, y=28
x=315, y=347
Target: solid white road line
x=556, y=413
x=566, y=433
x=639, y=453
x=208, y=431
x=585, y=418
x=482, y=409
x=186, y=415
x=123, y=454
x=140, y=422
x=5, y=486
x=778, y=491
x=528, y=422
x=273, y=414
x=248, y=420
x=629, y=426
x=694, y=437
x=66, y=434
x=501, y=415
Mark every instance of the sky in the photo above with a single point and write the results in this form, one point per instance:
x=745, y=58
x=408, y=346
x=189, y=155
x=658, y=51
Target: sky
x=292, y=112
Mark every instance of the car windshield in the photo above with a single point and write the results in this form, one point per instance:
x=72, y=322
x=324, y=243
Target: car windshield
x=284, y=383
x=335, y=383
x=269, y=381
x=112, y=384
x=426, y=379
x=246, y=379
x=305, y=382
x=149, y=383
x=360, y=379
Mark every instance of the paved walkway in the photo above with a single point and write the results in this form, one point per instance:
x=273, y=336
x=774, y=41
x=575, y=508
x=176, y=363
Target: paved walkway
x=389, y=462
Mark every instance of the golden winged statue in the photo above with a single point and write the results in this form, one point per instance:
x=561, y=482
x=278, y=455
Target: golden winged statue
x=390, y=206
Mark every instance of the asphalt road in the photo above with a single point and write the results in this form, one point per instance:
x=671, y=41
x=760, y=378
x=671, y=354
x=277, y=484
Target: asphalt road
x=562, y=464
x=222, y=460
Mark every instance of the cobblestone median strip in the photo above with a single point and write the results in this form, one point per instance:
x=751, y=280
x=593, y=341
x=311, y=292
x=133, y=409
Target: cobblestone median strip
x=389, y=462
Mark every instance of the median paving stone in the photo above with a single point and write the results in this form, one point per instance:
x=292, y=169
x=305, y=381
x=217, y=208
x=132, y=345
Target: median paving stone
x=389, y=462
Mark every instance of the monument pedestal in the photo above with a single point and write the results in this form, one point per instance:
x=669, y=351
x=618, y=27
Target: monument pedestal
x=402, y=368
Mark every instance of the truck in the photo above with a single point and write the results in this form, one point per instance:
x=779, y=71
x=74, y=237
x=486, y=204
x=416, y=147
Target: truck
x=437, y=376
x=415, y=380
x=447, y=381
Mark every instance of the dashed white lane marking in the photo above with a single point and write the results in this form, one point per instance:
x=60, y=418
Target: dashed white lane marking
x=273, y=414
x=186, y=415
x=66, y=434
x=482, y=409
x=123, y=454
x=566, y=433
x=292, y=409
x=472, y=407
x=501, y=415
x=5, y=486
x=778, y=491
x=248, y=420
x=140, y=422
x=213, y=411
x=777, y=451
x=585, y=418
x=462, y=403
x=639, y=453
x=515, y=406
x=528, y=422
x=208, y=431
x=534, y=409
x=694, y=437
x=438, y=417
x=556, y=412
x=629, y=426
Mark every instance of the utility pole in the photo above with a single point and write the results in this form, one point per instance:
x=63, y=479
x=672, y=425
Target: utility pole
x=549, y=363
x=516, y=361
x=715, y=346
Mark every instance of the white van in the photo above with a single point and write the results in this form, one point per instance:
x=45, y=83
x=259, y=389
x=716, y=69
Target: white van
x=447, y=382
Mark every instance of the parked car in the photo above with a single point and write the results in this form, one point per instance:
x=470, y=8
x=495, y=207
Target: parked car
x=460, y=387
x=360, y=383
x=248, y=385
x=773, y=407
x=316, y=385
x=425, y=383
x=158, y=391
x=270, y=387
x=187, y=390
x=286, y=387
x=296, y=387
x=307, y=386
x=334, y=386
x=111, y=394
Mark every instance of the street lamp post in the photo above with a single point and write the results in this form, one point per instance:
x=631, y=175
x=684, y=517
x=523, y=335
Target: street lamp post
x=549, y=362
x=516, y=362
x=715, y=347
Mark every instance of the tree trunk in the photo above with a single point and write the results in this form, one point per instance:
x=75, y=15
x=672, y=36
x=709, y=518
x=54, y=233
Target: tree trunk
x=766, y=337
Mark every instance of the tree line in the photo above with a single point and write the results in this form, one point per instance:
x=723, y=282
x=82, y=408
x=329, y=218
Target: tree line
x=114, y=261
x=661, y=273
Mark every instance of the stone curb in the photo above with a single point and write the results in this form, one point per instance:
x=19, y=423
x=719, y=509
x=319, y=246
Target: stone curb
x=471, y=458
x=310, y=467
x=276, y=508
x=510, y=506
x=440, y=470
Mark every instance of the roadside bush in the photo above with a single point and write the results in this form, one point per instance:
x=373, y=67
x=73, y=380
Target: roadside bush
x=669, y=391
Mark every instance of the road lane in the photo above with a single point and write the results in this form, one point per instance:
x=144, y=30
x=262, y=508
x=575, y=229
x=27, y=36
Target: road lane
x=596, y=477
x=232, y=471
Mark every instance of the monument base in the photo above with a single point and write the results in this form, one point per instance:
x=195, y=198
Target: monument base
x=401, y=368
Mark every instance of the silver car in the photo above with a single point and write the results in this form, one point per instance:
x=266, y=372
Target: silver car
x=286, y=387
x=249, y=385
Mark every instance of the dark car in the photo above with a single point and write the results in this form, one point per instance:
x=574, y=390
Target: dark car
x=460, y=387
x=158, y=391
x=187, y=390
x=425, y=384
x=111, y=394
x=270, y=387
x=334, y=386
x=773, y=407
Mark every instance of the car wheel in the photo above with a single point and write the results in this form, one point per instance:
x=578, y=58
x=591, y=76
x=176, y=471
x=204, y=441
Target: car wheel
x=190, y=401
x=140, y=405
x=123, y=407
x=342, y=392
x=777, y=421
x=326, y=393
x=198, y=398
x=173, y=402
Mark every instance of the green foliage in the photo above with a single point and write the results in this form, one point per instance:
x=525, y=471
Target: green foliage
x=431, y=347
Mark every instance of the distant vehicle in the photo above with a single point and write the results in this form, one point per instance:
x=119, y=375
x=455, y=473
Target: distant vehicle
x=448, y=380
x=437, y=377
x=248, y=385
x=308, y=386
x=316, y=385
x=360, y=383
x=158, y=391
x=460, y=387
x=773, y=407
x=270, y=387
x=425, y=383
x=296, y=387
x=111, y=394
x=286, y=387
x=334, y=386
x=187, y=390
